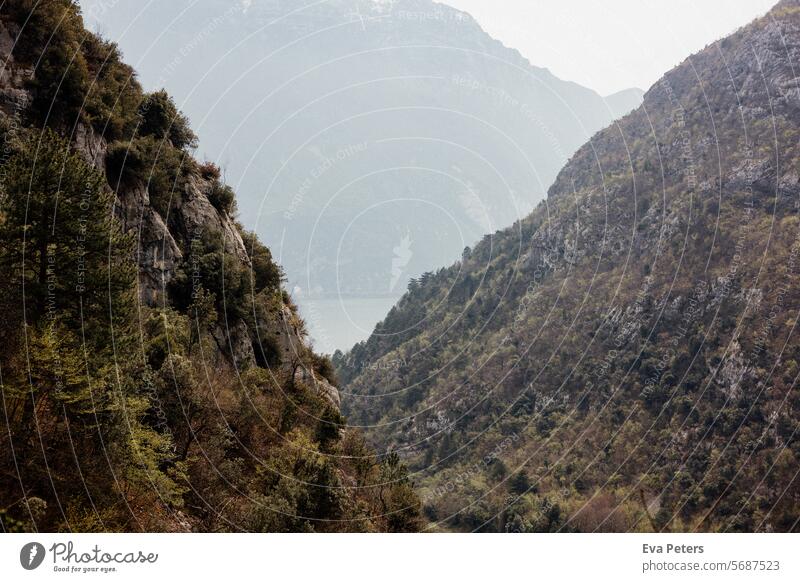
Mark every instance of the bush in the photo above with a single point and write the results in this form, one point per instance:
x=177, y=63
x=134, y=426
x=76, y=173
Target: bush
x=222, y=197
x=209, y=171
x=519, y=483
x=218, y=272
x=161, y=119
x=324, y=367
x=154, y=163
x=122, y=163
x=50, y=39
x=113, y=94
x=265, y=274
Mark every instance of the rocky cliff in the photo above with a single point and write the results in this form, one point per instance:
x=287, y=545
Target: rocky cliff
x=144, y=326
x=163, y=244
x=624, y=358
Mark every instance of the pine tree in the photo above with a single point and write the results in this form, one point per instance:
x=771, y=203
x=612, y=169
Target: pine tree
x=65, y=253
x=73, y=374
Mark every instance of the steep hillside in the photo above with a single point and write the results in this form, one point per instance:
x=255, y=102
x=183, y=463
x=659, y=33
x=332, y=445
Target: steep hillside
x=155, y=375
x=369, y=141
x=626, y=357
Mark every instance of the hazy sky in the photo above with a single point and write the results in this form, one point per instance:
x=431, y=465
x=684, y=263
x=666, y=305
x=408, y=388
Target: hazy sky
x=610, y=45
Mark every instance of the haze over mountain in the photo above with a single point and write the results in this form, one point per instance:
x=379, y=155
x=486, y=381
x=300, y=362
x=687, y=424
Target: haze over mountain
x=626, y=357
x=369, y=141
x=610, y=46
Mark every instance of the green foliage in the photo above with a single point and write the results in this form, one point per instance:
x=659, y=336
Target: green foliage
x=161, y=119
x=237, y=289
x=631, y=336
x=400, y=504
x=266, y=273
x=120, y=419
x=222, y=197
x=153, y=163
x=218, y=272
x=331, y=423
x=325, y=368
x=60, y=82
x=519, y=483
x=60, y=236
x=71, y=372
x=113, y=93
x=78, y=77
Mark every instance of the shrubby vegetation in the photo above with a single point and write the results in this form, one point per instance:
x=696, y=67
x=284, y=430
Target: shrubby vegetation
x=68, y=371
x=151, y=163
x=160, y=118
x=79, y=77
x=122, y=416
x=634, y=338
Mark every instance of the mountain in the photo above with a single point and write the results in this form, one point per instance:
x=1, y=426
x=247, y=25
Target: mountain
x=626, y=356
x=154, y=372
x=625, y=101
x=369, y=141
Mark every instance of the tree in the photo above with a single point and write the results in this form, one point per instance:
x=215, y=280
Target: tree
x=63, y=246
x=161, y=119
x=400, y=505
x=61, y=76
x=519, y=483
x=265, y=273
x=76, y=377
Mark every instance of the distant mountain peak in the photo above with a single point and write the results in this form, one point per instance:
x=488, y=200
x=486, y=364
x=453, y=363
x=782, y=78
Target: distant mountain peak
x=625, y=101
x=418, y=85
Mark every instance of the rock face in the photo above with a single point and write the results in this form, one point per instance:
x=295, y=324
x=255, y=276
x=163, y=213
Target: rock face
x=193, y=380
x=194, y=212
x=159, y=255
x=163, y=250
x=290, y=341
x=163, y=247
x=635, y=335
x=13, y=96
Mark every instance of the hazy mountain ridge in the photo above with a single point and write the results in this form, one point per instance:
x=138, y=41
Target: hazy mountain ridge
x=367, y=122
x=625, y=357
x=625, y=101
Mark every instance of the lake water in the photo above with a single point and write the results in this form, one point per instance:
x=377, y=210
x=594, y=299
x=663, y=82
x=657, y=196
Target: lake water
x=341, y=323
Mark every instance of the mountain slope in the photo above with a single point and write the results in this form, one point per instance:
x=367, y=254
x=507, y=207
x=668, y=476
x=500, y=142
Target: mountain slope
x=367, y=126
x=626, y=356
x=154, y=373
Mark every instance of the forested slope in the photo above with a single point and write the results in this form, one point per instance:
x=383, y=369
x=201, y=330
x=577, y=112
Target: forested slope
x=155, y=375
x=626, y=357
